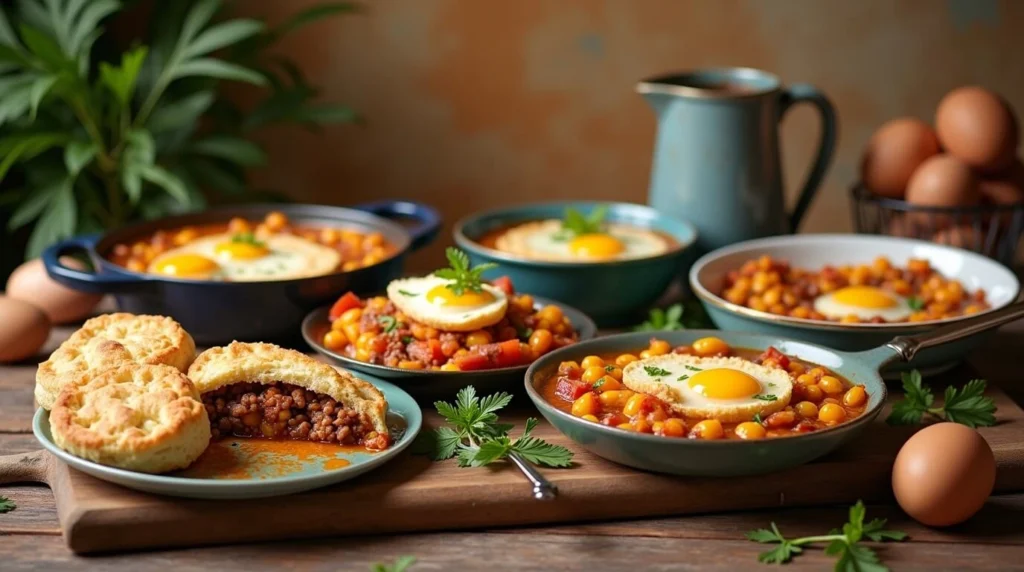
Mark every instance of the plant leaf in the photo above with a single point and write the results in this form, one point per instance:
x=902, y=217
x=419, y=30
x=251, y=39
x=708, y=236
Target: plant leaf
x=39, y=90
x=45, y=48
x=233, y=149
x=57, y=220
x=78, y=154
x=197, y=19
x=184, y=111
x=214, y=175
x=167, y=181
x=32, y=207
x=445, y=443
x=222, y=35
x=969, y=406
x=85, y=31
x=6, y=505
x=121, y=80
x=7, y=35
x=540, y=452
x=25, y=146
x=218, y=69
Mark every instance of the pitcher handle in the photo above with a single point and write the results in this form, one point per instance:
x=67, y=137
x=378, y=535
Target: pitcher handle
x=799, y=93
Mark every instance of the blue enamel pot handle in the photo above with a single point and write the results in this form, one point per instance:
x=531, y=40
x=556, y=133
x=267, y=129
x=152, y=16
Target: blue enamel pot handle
x=102, y=281
x=904, y=348
x=428, y=221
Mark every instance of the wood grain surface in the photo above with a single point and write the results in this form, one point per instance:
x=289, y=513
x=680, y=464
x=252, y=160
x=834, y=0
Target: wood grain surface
x=30, y=535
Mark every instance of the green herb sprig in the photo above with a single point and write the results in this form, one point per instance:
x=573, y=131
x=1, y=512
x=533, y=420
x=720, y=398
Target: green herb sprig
x=766, y=397
x=247, y=238
x=690, y=315
x=389, y=322
x=655, y=371
x=462, y=277
x=966, y=406
x=575, y=223
x=916, y=304
x=402, y=563
x=476, y=437
x=845, y=543
x=6, y=505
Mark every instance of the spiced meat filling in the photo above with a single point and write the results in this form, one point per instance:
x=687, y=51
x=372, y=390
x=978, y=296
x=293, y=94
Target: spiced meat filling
x=284, y=411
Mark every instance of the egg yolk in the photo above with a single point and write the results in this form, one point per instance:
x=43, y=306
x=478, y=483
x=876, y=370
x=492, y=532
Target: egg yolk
x=185, y=265
x=241, y=250
x=443, y=296
x=724, y=383
x=596, y=246
x=864, y=297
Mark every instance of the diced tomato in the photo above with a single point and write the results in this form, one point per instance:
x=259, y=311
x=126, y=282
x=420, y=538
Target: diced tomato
x=345, y=303
x=804, y=427
x=772, y=356
x=504, y=283
x=472, y=361
x=490, y=356
x=509, y=354
x=571, y=389
x=613, y=419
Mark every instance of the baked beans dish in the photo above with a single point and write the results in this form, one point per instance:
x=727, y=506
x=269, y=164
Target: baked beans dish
x=244, y=250
x=707, y=390
x=874, y=293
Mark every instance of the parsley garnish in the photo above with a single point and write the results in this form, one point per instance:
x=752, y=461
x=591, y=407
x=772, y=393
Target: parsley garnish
x=683, y=377
x=401, y=565
x=692, y=368
x=407, y=293
x=768, y=397
x=6, y=505
x=389, y=323
x=966, y=406
x=916, y=304
x=524, y=333
x=655, y=371
x=407, y=340
x=609, y=368
x=247, y=238
x=843, y=543
x=672, y=318
x=597, y=383
x=575, y=223
x=477, y=439
x=757, y=418
x=462, y=277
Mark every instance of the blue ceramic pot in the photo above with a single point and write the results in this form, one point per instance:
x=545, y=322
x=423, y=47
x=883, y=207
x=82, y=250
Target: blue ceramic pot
x=613, y=293
x=219, y=312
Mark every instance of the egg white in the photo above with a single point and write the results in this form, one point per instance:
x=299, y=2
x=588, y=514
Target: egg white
x=674, y=388
x=410, y=296
x=288, y=257
x=541, y=240
x=827, y=304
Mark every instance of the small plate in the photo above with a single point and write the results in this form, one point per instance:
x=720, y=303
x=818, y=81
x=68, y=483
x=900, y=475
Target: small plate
x=256, y=468
x=431, y=384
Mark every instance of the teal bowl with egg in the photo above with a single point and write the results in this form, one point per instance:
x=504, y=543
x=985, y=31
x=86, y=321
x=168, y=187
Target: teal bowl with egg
x=612, y=292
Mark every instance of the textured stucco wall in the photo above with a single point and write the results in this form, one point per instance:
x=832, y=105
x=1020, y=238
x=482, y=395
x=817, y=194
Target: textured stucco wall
x=474, y=103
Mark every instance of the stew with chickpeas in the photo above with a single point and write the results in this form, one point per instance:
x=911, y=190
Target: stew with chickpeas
x=593, y=389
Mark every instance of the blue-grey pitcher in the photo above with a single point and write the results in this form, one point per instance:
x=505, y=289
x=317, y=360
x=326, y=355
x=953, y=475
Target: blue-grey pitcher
x=716, y=159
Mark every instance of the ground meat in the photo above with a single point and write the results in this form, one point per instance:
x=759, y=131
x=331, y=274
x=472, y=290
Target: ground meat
x=284, y=411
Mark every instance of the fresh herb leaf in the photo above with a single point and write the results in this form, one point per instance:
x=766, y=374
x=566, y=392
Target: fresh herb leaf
x=575, y=223
x=407, y=339
x=246, y=238
x=916, y=304
x=402, y=564
x=597, y=383
x=967, y=405
x=655, y=371
x=766, y=397
x=6, y=505
x=609, y=368
x=757, y=418
x=477, y=438
x=462, y=278
x=852, y=556
x=389, y=323
x=692, y=368
x=688, y=315
x=407, y=293
x=524, y=333
x=683, y=377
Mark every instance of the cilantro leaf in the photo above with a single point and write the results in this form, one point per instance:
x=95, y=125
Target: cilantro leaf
x=524, y=333
x=389, y=323
x=407, y=293
x=402, y=564
x=6, y=505
x=757, y=418
x=915, y=403
x=246, y=238
x=916, y=304
x=683, y=377
x=875, y=530
x=969, y=406
x=655, y=371
x=766, y=397
x=575, y=223
x=491, y=451
x=597, y=383
x=763, y=535
x=462, y=277
x=445, y=443
x=540, y=452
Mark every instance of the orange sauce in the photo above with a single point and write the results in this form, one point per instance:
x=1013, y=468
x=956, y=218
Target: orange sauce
x=239, y=458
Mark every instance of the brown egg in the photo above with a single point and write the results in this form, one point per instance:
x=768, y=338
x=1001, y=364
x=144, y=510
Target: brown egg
x=943, y=474
x=943, y=181
x=894, y=152
x=978, y=127
x=31, y=283
x=23, y=329
x=1005, y=187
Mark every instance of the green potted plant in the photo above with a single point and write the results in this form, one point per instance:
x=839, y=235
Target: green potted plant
x=94, y=135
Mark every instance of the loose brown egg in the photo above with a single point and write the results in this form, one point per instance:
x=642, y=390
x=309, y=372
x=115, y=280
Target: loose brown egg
x=31, y=283
x=943, y=474
x=894, y=152
x=943, y=181
x=1005, y=187
x=24, y=329
x=978, y=127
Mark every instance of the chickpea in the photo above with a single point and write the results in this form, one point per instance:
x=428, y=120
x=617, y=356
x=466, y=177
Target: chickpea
x=673, y=427
x=275, y=221
x=362, y=355
x=551, y=313
x=633, y=405
x=710, y=346
x=855, y=396
x=592, y=374
x=807, y=410
x=329, y=236
x=750, y=431
x=591, y=418
x=450, y=367
x=831, y=413
x=373, y=240
x=659, y=347
x=708, y=429
x=640, y=425
x=338, y=325
x=831, y=385
x=351, y=316
x=614, y=397
x=135, y=265
x=613, y=371
x=478, y=338
x=756, y=303
x=781, y=420
x=409, y=364
x=625, y=359
x=350, y=266
x=796, y=368
x=626, y=426
x=525, y=302
x=239, y=225
x=363, y=341
x=800, y=312
x=813, y=393
x=185, y=235
x=335, y=340
x=646, y=354
x=586, y=404
x=569, y=368
x=592, y=361
x=607, y=383
x=540, y=341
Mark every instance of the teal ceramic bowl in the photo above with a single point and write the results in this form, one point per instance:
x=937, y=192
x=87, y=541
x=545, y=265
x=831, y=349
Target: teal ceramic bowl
x=243, y=470
x=429, y=385
x=612, y=293
x=724, y=458
x=814, y=251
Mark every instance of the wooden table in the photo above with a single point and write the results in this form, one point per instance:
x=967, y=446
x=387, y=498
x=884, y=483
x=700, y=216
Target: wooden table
x=994, y=539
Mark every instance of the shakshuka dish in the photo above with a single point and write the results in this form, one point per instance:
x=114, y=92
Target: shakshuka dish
x=707, y=390
x=247, y=251
x=451, y=320
x=875, y=293
x=578, y=238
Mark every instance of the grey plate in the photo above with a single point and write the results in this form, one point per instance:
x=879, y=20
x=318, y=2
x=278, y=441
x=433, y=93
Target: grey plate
x=253, y=471
x=429, y=384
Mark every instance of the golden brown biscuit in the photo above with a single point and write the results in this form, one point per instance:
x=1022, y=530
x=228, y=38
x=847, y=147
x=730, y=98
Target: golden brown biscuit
x=224, y=375
x=142, y=339
x=145, y=418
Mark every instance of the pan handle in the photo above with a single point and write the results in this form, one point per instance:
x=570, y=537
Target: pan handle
x=906, y=347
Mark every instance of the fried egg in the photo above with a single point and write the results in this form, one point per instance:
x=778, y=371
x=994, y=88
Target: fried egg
x=223, y=257
x=544, y=240
x=429, y=300
x=729, y=389
x=864, y=302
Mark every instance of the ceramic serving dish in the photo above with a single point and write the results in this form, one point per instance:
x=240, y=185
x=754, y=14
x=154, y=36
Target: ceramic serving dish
x=613, y=292
x=429, y=384
x=816, y=250
x=241, y=473
x=723, y=458
x=219, y=312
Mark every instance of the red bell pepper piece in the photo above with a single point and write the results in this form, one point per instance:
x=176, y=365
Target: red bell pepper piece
x=345, y=303
x=504, y=283
x=571, y=389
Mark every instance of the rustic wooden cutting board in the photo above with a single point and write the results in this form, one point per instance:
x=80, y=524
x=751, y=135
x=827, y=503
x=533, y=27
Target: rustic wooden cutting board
x=414, y=494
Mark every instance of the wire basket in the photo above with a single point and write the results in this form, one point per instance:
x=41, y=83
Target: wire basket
x=992, y=230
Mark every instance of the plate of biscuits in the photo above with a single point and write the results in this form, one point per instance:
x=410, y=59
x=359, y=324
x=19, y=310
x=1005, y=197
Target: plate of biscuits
x=127, y=400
